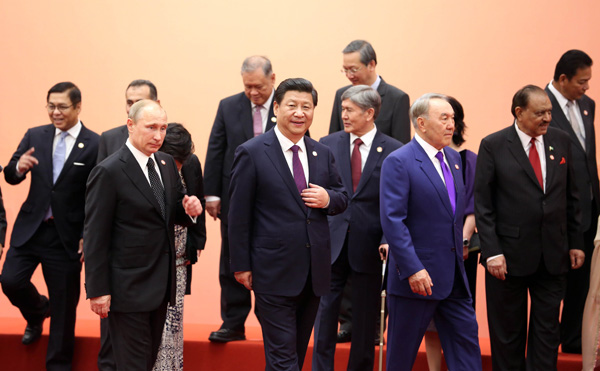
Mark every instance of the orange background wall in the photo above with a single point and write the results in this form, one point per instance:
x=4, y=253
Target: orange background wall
x=480, y=52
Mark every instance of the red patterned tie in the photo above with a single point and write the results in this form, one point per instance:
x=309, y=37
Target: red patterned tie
x=356, y=163
x=534, y=158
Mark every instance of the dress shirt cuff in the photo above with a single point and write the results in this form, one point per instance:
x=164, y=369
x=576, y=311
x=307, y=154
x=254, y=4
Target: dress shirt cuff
x=493, y=257
x=193, y=218
x=212, y=198
x=19, y=172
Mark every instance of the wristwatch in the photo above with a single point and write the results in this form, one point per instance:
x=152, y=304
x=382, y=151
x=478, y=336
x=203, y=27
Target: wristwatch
x=466, y=243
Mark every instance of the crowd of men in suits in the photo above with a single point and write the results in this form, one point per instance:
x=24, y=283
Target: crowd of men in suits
x=305, y=223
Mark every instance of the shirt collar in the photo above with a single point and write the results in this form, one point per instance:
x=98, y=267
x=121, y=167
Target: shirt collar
x=430, y=150
x=139, y=156
x=375, y=85
x=562, y=101
x=74, y=131
x=366, y=138
x=526, y=139
x=286, y=143
x=267, y=103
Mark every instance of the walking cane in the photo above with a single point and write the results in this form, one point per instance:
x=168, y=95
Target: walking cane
x=382, y=323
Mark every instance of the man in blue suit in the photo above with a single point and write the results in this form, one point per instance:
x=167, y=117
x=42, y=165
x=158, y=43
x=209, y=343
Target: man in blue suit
x=283, y=186
x=422, y=206
x=58, y=158
x=356, y=234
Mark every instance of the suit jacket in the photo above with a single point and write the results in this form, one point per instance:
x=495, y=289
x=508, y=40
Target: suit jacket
x=67, y=195
x=111, y=141
x=360, y=221
x=392, y=119
x=271, y=232
x=515, y=217
x=584, y=161
x=129, y=246
x=232, y=127
x=418, y=222
x=3, y=224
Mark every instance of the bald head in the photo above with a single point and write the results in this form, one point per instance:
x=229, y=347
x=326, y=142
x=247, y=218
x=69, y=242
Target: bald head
x=147, y=125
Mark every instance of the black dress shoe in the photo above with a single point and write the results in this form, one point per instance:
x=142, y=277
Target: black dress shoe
x=571, y=350
x=344, y=336
x=226, y=335
x=33, y=331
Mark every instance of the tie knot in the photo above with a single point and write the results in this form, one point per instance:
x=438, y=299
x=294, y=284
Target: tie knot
x=257, y=108
x=63, y=134
x=440, y=156
x=358, y=142
x=150, y=163
x=570, y=103
x=532, y=141
x=295, y=148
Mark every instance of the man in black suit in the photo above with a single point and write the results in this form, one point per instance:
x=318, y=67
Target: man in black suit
x=527, y=212
x=134, y=198
x=359, y=66
x=110, y=142
x=283, y=186
x=49, y=225
x=3, y=224
x=239, y=118
x=573, y=112
x=356, y=234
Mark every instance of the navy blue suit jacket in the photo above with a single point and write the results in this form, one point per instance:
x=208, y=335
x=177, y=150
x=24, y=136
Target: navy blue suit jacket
x=67, y=195
x=360, y=221
x=271, y=232
x=417, y=219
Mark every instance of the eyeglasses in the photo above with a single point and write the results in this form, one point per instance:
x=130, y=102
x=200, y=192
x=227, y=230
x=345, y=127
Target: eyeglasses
x=61, y=108
x=351, y=71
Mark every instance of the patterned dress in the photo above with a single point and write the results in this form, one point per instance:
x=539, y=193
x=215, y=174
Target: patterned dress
x=170, y=353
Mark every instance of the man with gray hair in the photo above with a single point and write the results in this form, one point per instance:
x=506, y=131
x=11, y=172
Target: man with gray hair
x=356, y=234
x=422, y=208
x=239, y=117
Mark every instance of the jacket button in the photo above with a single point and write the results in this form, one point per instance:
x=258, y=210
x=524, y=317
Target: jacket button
x=307, y=221
x=307, y=245
x=453, y=249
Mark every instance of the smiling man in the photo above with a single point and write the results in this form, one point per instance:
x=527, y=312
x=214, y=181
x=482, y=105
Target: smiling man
x=283, y=186
x=527, y=213
x=59, y=156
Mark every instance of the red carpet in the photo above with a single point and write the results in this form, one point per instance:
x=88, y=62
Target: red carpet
x=199, y=353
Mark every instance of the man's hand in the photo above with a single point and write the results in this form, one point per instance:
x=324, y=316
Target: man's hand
x=383, y=251
x=497, y=267
x=245, y=278
x=420, y=283
x=577, y=257
x=192, y=205
x=213, y=208
x=26, y=161
x=100, y=305
x=80, y=250
x=315, y=196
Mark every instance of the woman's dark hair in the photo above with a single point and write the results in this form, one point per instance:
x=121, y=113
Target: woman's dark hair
x=178, y=142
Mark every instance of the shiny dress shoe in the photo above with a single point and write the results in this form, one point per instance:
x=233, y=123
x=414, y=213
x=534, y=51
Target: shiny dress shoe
x=33, y=331
x=226, y=335
x=344, y=336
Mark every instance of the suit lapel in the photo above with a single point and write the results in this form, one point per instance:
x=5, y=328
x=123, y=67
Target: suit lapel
x=271, y=119
x=587, y=125
x=343, y=162
x=375, y=154
x=274, y=152
x=562, y=122
x=245, y=118
x=46, y=152
x=550, y=159
x=456, y=177
x=516, y=149
x=313, y=164
x=433, y=175
x=132, y=170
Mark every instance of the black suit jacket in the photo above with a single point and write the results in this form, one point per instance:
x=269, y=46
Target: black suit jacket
x=514, y=216
x=392, y=119
x=67, y=196
x=3, y=224
x=111, y=141
x=360, y=221
x=129, y=246
x=584, y=161
x=271, y=232
x=232, y=127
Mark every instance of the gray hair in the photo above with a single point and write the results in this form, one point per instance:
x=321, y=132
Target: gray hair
x=138, y=107
x=364, y=97
x=255, y=62
x=365, y=49
x=420, y=108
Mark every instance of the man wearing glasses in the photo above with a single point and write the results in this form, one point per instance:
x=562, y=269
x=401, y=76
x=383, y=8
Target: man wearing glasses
x=48, y=229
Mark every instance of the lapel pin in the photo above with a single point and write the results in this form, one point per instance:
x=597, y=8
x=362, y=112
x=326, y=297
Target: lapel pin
x=456, y=166
x=585, y=112
x=551, y=157
x=80, y=145
x=379, y=149
x=273, y=119
x=314, y=153
x=551, y=148
x=163, y=162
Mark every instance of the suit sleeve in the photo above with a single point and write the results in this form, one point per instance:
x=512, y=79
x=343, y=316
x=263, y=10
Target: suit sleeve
x=3, y=223
x=197, y=232
x=338, y=197
x=573, y=205
x=102, y=151
x=241, y=192
x=401, y=122
x=100, y=205
x=10, y=171
x=484, y=196
x=395, y=191
x=334, y=124
x=215, y=155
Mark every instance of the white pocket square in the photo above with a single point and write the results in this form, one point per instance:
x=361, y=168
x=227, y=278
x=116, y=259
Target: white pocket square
x=78, y=164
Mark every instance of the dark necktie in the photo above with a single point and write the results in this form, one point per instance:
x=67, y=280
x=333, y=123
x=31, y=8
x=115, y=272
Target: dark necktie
x=534, y=158
x=356, y=164
x=448, y=179
x=157, y=187
x=299, y=178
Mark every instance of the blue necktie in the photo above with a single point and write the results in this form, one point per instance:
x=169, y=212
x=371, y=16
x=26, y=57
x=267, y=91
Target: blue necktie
x=448, y=179
x=58, y=162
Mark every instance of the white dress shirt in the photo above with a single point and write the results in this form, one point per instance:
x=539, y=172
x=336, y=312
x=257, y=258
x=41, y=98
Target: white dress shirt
x=364, y=148
x=142, y=160
x=286, y=146
x=431, y=151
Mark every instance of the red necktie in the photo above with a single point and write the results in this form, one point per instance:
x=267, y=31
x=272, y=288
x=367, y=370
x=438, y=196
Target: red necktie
x=356, y=163
x=534, y=158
